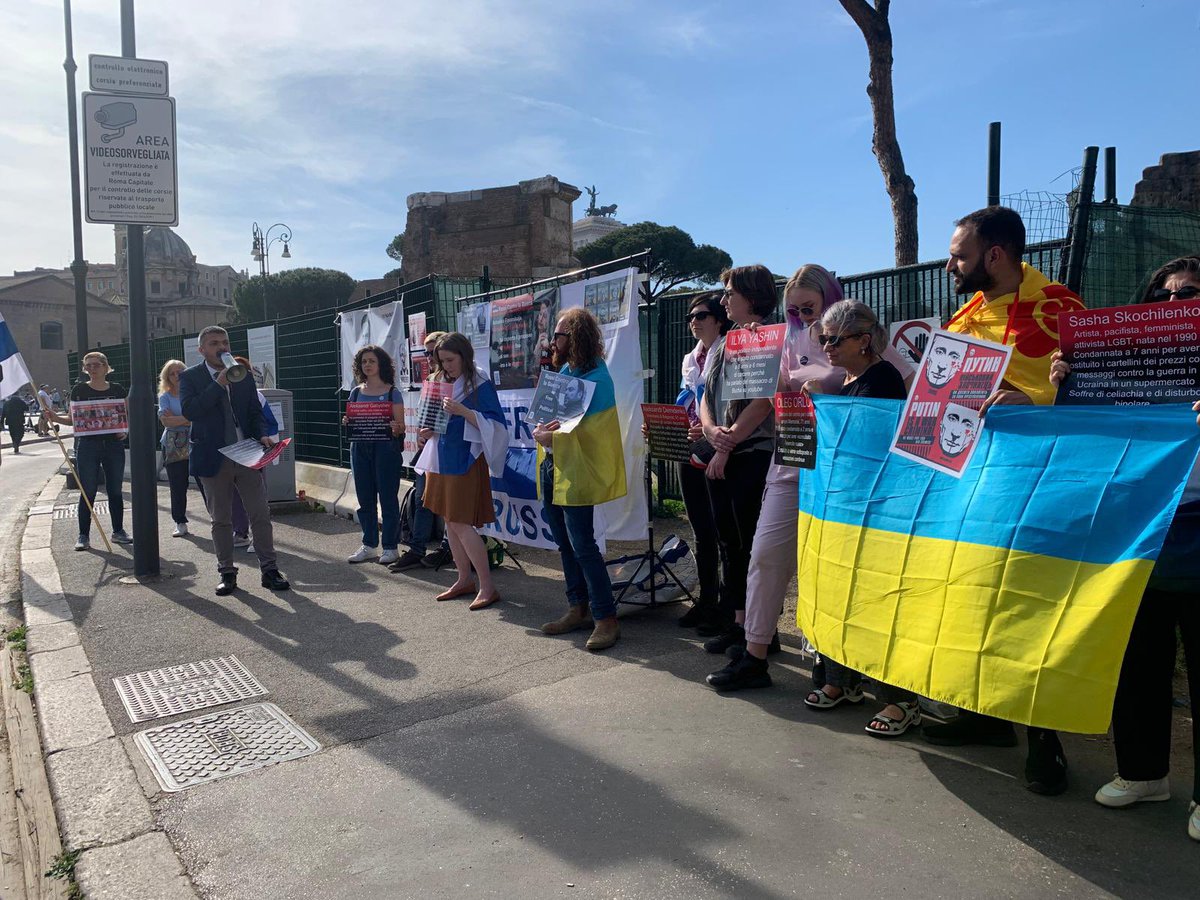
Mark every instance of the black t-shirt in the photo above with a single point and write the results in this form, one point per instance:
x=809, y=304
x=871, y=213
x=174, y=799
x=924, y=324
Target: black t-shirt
x=85, y=391
x=882, y=381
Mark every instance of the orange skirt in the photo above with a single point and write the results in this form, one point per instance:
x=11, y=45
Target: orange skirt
x=465, y=499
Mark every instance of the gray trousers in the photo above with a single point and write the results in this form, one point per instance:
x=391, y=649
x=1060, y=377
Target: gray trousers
x=218, y=496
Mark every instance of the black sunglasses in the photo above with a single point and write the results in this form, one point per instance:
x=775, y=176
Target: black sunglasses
x=697, y=316
x=833, y=340
x=1190, y=292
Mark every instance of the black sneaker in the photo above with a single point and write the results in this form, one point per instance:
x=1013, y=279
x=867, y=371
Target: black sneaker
x=695, y=617
x=734, y=636
x=736, y=650
x=1046, y=765
x=744, y=672
x=972, y=728
x=407, y=560
x=714, y=624
x=438, y=558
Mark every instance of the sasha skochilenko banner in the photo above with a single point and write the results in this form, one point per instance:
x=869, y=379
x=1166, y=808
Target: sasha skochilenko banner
x=1010, y=590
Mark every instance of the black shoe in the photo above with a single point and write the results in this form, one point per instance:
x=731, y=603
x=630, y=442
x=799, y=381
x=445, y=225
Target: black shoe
x=438, y=558
x=714, y=624
x=744, y=672
x=407, y=560
x=275, y=581
x=774, y=647
x=972, y=728
x=736, y=650
x=1046, y=765
x=696, y=616
x=228, y=584
x=734, y=636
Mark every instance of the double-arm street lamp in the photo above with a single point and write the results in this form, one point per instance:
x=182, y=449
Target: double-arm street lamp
x=261, y=251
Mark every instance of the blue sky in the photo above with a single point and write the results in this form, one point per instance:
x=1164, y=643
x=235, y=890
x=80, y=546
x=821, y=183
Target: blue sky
x=746, y=124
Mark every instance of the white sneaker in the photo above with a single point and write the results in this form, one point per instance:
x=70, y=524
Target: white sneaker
x=1194, y=822
x=240, y=541
x=180, y=530
x=82, y=543
x=364, y=553
x=1119, y=792
x=389, y=556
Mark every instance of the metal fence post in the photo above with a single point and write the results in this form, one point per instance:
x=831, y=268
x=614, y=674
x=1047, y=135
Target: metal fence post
x=993, y=178
x=1080, y=221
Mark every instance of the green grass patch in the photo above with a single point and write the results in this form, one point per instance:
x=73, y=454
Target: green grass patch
x=24, y=679
x=15, y=638
x=63, y=867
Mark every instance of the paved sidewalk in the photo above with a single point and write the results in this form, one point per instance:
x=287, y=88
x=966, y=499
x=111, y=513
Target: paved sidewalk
x=465, y=754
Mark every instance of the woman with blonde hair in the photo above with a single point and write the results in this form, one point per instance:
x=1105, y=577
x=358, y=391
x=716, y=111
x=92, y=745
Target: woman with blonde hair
x=176, y=442
x=98, y=452
x=459, y=464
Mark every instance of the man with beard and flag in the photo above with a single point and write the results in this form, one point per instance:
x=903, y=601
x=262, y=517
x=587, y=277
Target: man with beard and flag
x=1010, y=303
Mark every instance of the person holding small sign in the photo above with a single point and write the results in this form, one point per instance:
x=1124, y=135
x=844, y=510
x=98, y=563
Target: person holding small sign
x=458, y=467
x=1142, y=708
x=375, y=459
x=97, y=452
x=176, y=442
x=808, y=294
x=742, y=434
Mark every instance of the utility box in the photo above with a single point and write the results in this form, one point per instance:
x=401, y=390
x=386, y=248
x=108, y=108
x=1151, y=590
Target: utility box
x=281, y=474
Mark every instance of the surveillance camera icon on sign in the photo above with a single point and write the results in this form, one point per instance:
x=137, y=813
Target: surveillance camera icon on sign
x=116, y=117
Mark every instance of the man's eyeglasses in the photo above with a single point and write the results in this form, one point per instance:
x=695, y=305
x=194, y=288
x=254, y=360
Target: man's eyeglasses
x=561, y=334
x=834, y=340
x=697, y=316
x=1189, y=292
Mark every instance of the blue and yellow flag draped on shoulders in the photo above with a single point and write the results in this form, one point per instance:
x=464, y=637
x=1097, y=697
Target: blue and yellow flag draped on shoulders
x=589, y=461
x=1010, y=591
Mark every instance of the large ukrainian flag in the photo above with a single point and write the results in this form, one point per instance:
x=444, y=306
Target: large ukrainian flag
x=589, y=461
x=1010, y=591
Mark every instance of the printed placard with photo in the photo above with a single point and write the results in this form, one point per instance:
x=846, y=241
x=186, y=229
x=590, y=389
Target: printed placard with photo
x=940, y=425
x=561, y=398
x=609, y=300
x=430, y=412
x=91, y=417
x=514, y=357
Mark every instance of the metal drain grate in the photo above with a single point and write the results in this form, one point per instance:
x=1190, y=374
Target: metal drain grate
x=217, y=745
x=72, y=511
x=172, y=690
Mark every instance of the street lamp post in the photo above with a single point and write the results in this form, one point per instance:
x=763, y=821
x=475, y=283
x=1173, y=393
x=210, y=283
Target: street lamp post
x=261, y=251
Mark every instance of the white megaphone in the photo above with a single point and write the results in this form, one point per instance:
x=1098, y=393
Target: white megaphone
x=234, y=370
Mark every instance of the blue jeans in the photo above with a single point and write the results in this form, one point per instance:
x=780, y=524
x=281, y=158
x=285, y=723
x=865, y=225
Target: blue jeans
x=423, y=519
x=93, y=453
x=376, y=467
x=583, y=564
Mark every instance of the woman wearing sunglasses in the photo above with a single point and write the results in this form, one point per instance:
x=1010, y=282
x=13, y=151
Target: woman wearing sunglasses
x=708, y=323
x=1142, y=709
x=810, y=292
x=742, y=434
x=855, y=341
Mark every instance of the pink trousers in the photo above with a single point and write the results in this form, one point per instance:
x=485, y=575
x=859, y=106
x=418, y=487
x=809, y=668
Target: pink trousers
x=772, y=556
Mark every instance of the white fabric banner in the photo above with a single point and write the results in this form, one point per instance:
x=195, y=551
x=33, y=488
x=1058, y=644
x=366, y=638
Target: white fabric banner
x=382, y=325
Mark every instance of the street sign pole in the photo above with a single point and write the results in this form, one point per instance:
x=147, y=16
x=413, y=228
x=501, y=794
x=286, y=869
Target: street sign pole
x=142, y=462
x=79, y=265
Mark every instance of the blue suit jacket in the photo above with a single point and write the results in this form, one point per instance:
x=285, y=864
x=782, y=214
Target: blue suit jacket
x=201, y=398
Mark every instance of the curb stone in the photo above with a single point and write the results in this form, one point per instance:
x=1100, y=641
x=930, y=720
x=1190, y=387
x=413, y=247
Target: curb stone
x=101, y=807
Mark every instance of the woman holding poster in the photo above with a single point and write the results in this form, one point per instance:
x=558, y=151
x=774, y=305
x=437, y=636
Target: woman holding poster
x=458, y=466
x=742, y=432
x=855, y=342
x=375, y=416
x=97, y=452
x=176, y=442
x=808, y=294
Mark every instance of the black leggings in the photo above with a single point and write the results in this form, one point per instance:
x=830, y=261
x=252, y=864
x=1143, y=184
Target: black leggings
x=694, y=485
x=736, y=502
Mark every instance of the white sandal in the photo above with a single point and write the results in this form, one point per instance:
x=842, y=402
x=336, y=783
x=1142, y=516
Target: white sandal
x=824, y=701
x=893, y=728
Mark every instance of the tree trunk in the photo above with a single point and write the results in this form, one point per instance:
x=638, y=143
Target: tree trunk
x=873, y=22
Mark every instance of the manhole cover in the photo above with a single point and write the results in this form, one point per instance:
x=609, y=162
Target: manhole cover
x=169, y=691
x=220, y=744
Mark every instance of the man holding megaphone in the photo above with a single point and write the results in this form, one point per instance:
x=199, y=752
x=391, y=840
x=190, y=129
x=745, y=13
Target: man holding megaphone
x=222, y=405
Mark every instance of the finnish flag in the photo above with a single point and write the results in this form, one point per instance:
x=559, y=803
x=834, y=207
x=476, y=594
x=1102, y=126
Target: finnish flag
x=14, y=374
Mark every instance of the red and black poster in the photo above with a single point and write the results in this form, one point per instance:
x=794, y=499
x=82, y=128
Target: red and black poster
x=515, y=356
x=751, y=363
x=795, y=430
x=1131, y=355
x=941, y=421
x=369, y=420
x=667, y=427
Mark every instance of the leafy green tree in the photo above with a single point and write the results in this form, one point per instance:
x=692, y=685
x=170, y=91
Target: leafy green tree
x=290, y=293
x=675, y=258
x=396, y=248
